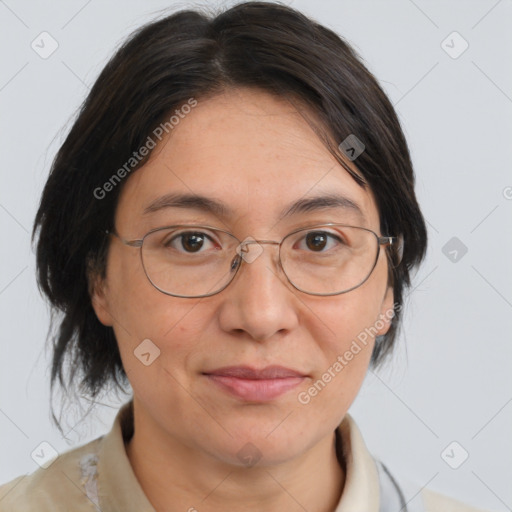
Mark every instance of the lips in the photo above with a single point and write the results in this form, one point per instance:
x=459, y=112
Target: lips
x=246, y=372
x=250, y=384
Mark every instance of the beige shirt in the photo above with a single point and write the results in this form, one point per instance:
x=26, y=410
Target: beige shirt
x=98, y=477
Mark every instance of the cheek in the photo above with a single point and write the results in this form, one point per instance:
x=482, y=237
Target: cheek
x=347, y=318
x=170, y=331
x=141, y=312
x=344, y=329
x=346, y=348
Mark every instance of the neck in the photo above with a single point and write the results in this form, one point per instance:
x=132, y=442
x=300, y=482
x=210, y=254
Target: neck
x=176, y=477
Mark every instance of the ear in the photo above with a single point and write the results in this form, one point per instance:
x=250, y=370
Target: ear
x=99, y=298
x=386, y=312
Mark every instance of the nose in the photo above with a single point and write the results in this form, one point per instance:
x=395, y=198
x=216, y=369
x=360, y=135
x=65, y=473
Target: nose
x=260, y=301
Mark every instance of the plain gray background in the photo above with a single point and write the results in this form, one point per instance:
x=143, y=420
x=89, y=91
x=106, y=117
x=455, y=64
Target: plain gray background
x=452, y=382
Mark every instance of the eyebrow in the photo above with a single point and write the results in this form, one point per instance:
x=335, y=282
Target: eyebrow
x=213, y=206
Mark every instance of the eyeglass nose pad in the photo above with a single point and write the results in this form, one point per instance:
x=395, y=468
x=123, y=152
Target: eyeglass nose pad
x=247, y=254
x=235, y=262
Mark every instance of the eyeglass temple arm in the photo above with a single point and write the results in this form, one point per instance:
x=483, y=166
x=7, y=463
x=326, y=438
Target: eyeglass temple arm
x=131, y=243
x=394, y=241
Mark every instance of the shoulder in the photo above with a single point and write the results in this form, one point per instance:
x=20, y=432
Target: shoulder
x=64, y=482
x=395, y=492
x=434, y=502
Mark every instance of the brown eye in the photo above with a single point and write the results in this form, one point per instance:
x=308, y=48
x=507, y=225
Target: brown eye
x=320, y=242
x=188, y=242
x=192, y=242
x=316, y=241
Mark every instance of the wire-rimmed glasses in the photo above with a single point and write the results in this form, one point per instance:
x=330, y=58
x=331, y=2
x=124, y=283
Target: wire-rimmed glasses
x=192, y=261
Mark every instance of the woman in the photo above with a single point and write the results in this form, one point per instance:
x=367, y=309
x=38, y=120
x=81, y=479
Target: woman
x=229, y=229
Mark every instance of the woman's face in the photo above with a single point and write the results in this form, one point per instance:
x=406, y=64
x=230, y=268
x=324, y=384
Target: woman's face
x=255, y=154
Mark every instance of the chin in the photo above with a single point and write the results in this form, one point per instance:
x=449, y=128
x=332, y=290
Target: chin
x=263, y=444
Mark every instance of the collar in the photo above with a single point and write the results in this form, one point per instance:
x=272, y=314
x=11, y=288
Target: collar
x=119, y=489
x=361, y=490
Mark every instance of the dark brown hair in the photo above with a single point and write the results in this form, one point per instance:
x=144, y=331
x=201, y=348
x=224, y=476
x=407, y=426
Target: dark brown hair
x=159, y=68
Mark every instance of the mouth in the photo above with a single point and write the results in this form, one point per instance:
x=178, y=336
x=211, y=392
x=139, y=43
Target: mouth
x=254, y=385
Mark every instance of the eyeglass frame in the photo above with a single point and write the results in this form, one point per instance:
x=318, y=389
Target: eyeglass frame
x=387, y=241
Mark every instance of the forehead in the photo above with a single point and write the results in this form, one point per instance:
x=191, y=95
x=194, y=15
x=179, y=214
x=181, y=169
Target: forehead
x=252, y=152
